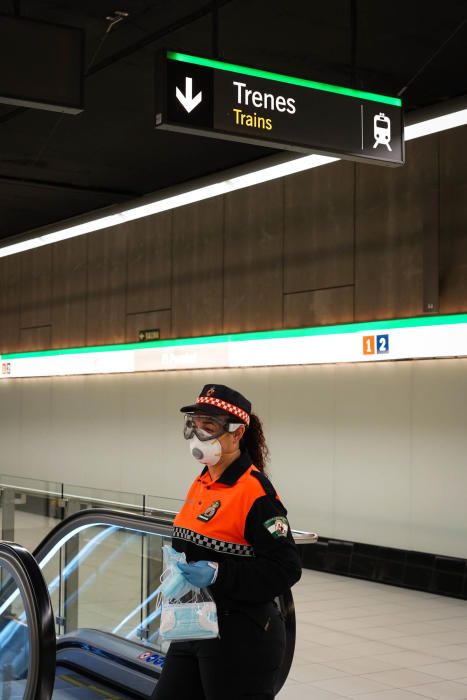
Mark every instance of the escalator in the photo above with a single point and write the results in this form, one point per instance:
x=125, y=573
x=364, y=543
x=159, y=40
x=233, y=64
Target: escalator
x=99, y=569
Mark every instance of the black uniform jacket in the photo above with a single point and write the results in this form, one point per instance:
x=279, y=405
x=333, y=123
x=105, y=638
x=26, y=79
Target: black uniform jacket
x=239, y=522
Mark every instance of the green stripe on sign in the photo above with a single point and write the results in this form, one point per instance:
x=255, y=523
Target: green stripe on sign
x=278, y=77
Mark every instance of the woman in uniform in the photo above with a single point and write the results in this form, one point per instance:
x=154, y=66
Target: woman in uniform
x=235, y=534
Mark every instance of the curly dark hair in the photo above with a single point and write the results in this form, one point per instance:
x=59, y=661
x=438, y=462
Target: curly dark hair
x=255, y=442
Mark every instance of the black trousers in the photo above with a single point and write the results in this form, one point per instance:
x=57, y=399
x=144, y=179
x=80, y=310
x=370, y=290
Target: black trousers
x=243, y=662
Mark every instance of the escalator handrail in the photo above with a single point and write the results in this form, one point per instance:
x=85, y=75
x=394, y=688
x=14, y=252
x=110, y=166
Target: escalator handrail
x=100, y=516
x=39, y=613
x=164, y=515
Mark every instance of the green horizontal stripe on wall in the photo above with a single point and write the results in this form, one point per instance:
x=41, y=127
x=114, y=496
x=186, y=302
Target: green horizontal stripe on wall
x=417, y=322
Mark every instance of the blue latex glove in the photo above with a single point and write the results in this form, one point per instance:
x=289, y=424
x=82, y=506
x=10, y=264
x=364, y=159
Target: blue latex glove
x=200, y=574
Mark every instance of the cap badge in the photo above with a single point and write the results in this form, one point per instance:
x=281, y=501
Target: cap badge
x=210, y=391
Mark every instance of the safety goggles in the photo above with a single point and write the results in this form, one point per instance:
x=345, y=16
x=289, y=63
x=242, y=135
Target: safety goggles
x=207, y=427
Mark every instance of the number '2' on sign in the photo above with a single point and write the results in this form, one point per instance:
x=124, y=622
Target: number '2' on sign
x=376, y=344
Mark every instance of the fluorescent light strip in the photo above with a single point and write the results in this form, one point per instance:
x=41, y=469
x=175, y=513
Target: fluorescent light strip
x=179, y=200
x=436, y=124
x=413, y=131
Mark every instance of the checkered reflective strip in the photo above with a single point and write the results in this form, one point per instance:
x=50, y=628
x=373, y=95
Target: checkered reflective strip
x=241, y=550
x=243, y=415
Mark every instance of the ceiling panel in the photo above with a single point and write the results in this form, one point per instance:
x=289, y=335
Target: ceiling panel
x=54, y=166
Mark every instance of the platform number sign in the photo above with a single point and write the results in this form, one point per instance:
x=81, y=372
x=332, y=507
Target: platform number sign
x=376, y=344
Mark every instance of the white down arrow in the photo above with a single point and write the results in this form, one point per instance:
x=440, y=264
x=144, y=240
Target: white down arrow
x=187, y=99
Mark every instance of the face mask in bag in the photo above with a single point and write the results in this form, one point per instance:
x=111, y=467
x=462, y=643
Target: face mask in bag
x=189, y=621
x=174, y=585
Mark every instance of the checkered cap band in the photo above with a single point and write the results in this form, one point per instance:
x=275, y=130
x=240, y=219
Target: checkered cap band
x=241, y=550
x=243, y=415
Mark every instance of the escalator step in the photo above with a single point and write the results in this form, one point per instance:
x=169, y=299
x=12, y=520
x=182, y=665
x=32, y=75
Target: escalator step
x=69, y=685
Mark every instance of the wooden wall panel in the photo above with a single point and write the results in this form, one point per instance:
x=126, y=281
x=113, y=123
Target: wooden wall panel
x=318, y=308
x=10, y=281
x=106, y=287
x=148, y=321
x=253, y=258
x=319, y=228
x=149, y=263
x=36, y=288
x=197, y=303
x=69, y=292
x=277, y=254
x=395, y=209
x=453, y=221
x=37, y=338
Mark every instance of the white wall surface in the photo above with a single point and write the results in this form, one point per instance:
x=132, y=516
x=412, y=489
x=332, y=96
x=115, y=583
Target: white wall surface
x=372, y=453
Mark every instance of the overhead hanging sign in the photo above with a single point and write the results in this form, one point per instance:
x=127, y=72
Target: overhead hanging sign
x=222, y=100
x=403, y=339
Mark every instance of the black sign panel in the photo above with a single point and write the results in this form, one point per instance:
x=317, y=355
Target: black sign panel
x=223, y=103
x=41, y=65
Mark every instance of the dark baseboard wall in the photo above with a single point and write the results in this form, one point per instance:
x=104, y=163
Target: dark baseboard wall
x=432, y=573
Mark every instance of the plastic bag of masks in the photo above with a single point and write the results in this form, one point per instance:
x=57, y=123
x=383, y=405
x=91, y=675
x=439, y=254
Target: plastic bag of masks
x=188, y=613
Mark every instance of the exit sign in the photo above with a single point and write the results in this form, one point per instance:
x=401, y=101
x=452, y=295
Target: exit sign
x=223, y=100
x=149, y=334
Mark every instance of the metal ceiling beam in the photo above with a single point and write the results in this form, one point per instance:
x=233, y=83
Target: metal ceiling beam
x=212, y=7
x=157, y=35
x=12, y=114
x=68, y=186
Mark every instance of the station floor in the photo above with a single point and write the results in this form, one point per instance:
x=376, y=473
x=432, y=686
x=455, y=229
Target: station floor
x=369, y=641
x=358, y=639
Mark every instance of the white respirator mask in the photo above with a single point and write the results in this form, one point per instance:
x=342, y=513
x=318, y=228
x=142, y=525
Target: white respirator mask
x=206, y=452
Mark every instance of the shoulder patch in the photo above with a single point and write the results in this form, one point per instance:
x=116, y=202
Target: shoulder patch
x=277, y=527
x=265, y=483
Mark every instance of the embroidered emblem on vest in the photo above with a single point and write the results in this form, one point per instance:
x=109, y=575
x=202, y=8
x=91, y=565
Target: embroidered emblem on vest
x=210, y=511
x=278, y=527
